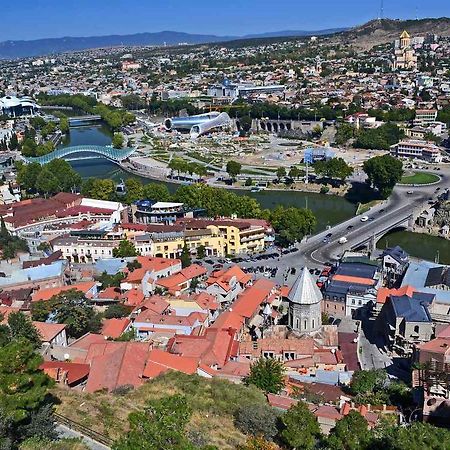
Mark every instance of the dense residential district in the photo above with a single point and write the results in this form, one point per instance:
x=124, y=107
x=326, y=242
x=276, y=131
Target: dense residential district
x=174, y=295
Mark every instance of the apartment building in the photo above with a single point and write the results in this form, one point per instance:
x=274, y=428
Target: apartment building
x=417, y=149
x=425, y=116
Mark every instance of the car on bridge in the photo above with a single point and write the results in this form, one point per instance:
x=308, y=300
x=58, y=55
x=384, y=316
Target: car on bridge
x=343, y=240
x=364, y=218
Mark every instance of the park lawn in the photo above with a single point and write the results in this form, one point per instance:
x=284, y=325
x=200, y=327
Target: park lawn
x=420, y=178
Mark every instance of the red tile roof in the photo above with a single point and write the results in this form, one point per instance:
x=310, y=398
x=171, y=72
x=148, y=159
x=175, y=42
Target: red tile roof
x=76, y=372
x=47, y=294
x=250, y=301
x=159, y=361
x=224, y=277
x=384, y=293
x=113, y=328
x=115, y=364
x=49, y=331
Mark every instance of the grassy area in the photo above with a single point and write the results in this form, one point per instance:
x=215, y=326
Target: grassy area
x=420, y=178
x=200, y=157
x=213, y=402
x=364, y=207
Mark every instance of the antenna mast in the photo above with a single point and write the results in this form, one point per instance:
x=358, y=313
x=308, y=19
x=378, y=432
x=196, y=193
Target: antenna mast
x=381, y=17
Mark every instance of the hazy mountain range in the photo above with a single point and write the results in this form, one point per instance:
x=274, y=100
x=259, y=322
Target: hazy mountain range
x=39, y=47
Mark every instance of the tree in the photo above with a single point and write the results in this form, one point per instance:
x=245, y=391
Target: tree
x=125, y=249
x=157, y=192
x=22, y=328
x=185, y=256
x=116, y=311
x=350, y=433
x=161, y=426
x=47, y=183
x=101, y=189
x=292, y=224
x=344, y=133
x=334, y=168
x=69, y=307
x=300, y=429
x=201, y=251
x=295, y=172
x=383, y=173
x=23, y=386
x=134, y=190
x=233, y=169
x=117, y=140
x=281, y=173
x=257, y=420
x=369, y=386
x=110, y=280
x=249, y=182
x=267, y=374
x=245, y=123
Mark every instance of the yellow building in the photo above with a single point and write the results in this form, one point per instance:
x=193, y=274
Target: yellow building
x=404, y=54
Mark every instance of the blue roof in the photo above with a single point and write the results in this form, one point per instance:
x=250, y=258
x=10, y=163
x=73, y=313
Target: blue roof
x=34, y=274
x=416, y=276
x=412, y=309
x=323, y=376
x=110, y=266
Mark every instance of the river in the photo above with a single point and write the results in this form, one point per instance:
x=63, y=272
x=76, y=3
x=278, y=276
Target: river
x=328, y=209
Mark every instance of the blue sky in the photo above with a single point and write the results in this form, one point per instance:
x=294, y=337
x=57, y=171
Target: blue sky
x=33, y=19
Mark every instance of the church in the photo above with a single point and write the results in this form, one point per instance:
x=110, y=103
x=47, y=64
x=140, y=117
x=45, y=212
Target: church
x=305, y=309
x=404, y=54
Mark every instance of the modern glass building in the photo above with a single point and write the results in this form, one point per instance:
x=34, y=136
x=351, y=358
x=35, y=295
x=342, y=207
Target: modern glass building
x=15, y=107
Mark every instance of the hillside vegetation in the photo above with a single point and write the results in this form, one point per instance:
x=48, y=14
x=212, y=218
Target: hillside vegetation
x=213, y=402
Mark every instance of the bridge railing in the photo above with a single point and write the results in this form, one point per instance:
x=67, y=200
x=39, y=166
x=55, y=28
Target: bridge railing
x=111, y=153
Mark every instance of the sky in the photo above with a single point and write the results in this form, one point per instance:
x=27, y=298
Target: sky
x=34, y=19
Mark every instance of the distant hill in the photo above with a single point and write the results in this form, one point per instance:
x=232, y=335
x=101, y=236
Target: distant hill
x=40, y=47
x=377, y=32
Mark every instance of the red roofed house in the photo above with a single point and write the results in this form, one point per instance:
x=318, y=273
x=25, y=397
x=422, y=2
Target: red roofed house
x=249, y=303
x=116, y=364
x=114, y=328
x=152, y=269
x=66, y=373
x=181, y=281
x=159, y=362
x=88, y=288
x=227, y=284
x=52, y=333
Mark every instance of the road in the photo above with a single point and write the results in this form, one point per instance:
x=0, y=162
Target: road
x=66, y=432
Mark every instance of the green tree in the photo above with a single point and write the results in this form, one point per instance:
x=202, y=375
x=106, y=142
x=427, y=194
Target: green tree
x=246, y=124
x=22, y=328
x=67, y=177
x=299, y=429
x=110, y=280
x=117, y=140
x=116, y=311
x=101, y=189
x=23, y=387
x=134, y=190
x=249, y=182
x=292, y=224
x=344, y=133
x=350, y=433
x=281, y=173
x=201, y=251
x=157, y=192
x=267, y=374
x=233, y=169
x=369, y=386
x=27, y=175
x=257, y=420
x=185, y=256
x=335, y=168
x=47, y=183
x=161, y=426
x=383, y=173
x=125, y=249
x=295, y=172
x=71, y=308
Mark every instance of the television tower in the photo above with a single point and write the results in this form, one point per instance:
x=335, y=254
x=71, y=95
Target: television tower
x=381, y=16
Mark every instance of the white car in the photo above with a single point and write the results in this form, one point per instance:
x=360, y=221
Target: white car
x=343, y=240
x=364, y=218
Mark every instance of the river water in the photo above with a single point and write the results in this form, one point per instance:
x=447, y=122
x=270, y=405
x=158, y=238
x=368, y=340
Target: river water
x=328, y=209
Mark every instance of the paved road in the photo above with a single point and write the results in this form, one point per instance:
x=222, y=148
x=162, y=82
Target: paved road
x=66, y=432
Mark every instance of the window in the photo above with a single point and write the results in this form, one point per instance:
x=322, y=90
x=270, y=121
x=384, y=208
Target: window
x=313, y=323
x=416, y=329
x=305, y=324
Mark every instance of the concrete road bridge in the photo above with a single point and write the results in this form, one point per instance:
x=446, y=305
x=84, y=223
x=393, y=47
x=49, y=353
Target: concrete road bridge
x=80, y=152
